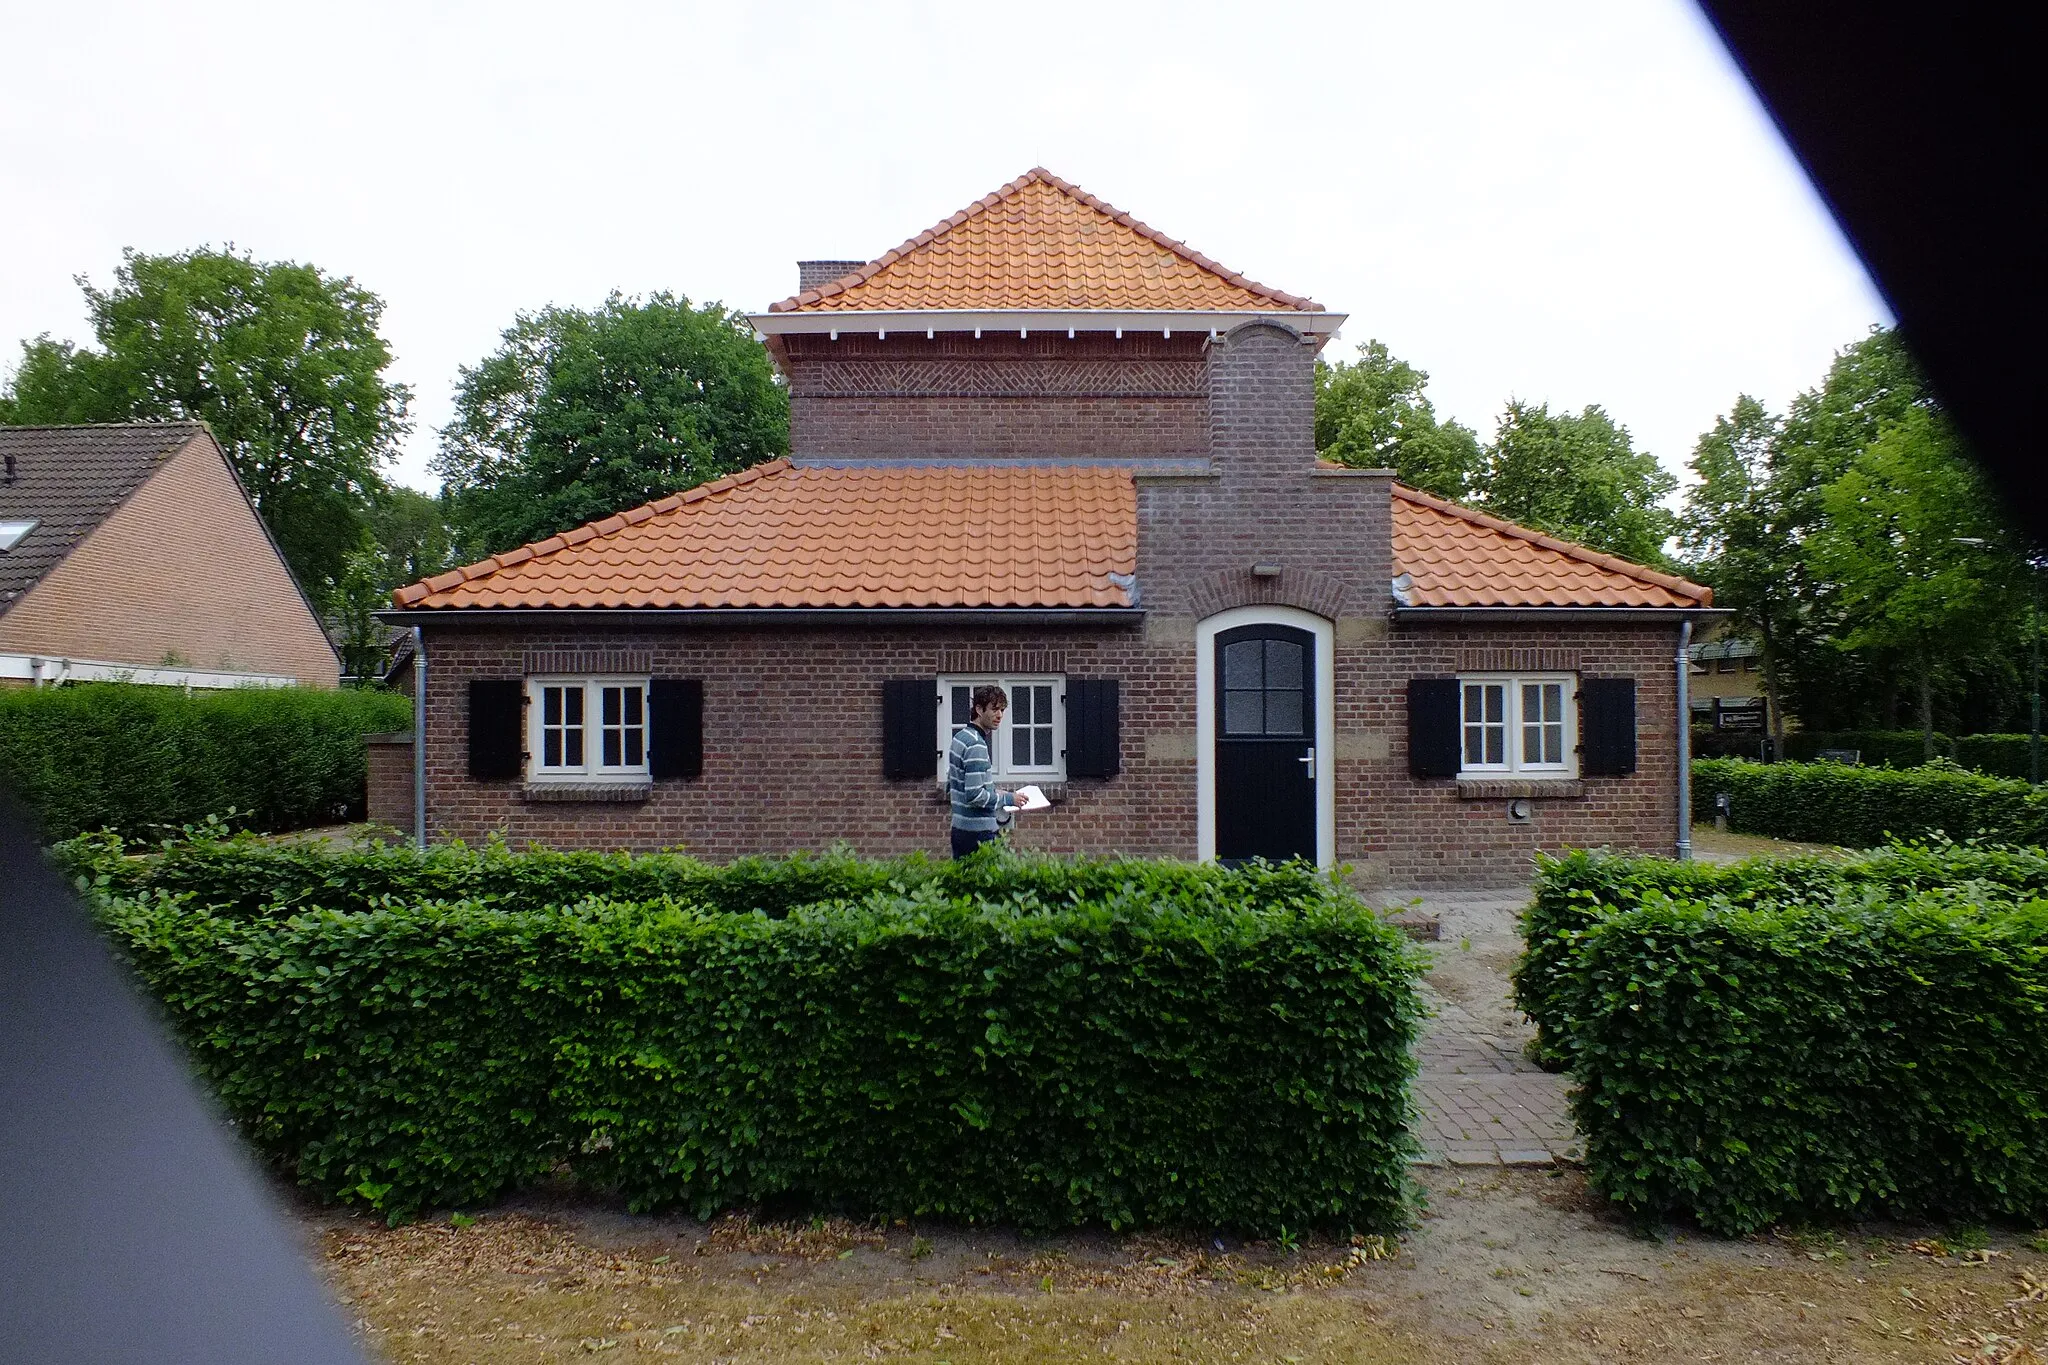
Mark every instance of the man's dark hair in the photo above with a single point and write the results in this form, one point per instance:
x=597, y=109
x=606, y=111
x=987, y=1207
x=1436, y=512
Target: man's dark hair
x=988, y=694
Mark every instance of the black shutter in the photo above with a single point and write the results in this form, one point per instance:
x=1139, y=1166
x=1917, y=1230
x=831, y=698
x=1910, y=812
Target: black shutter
x=1433, y=727
x=1607, y=726
x=1094, y=736
x=497, y=729
x=675, y=716
x=910, y=728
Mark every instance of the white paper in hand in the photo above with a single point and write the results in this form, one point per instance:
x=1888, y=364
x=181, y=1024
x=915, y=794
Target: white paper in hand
x=1031, y=798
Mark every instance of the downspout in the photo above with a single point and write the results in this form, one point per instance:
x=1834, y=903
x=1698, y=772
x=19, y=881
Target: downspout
x=1685, y=740
x=419, y=740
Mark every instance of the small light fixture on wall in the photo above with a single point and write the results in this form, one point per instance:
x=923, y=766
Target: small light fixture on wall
x=1521, y=811
x=1265, y=571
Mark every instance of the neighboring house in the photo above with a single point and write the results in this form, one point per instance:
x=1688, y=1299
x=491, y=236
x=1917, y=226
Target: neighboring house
x=1728, y=685
x=1044, y=445
x=130, y=551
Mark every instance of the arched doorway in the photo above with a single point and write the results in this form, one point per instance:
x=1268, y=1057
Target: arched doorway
x=1263, y=726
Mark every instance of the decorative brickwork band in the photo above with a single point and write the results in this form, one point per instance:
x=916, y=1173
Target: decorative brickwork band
x=1002, y=379
x=1320, y=593
x=587, y=662
x=1011, y=661
x=1518, y=661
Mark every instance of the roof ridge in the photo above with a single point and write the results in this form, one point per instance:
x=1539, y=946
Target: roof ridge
x=1039, y=175
x=143, y=423
x=579, y=535
x=1600, y=558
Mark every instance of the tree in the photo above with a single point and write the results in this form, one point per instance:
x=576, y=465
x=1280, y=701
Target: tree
x=1733, y=529
x=1917, y=552
x=283, y=361
x=1371, y=413
x=1580, y=477
x=412, y=536
x=579, y=414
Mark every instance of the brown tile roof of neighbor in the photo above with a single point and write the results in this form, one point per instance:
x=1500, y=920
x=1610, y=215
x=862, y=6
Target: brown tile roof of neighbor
x=778, y=535
x=68, y=480
x=1452, y=556
x=1041, y=243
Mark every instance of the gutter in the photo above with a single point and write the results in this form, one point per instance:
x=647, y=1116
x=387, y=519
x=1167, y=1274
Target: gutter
x=1125, y=617
x=1024, y=321
x=1553, y=615
x=1684, y=728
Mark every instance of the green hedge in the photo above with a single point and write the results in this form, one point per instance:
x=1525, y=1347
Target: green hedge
x=1874, y=748
x=1859, y=807
x=1999, y=755
x=1029, y=1040
x=1873, y=1054
x=140, y=760
x=1578, y=888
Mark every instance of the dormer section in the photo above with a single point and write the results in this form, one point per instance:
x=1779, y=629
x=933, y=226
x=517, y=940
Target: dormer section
x=1037, y=324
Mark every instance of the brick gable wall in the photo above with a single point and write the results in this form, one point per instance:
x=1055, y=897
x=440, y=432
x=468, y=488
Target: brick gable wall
x=181, y=572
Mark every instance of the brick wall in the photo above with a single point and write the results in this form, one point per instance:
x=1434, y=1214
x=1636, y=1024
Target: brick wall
x=390, y=794
x=180, y=573
x=1142, y=397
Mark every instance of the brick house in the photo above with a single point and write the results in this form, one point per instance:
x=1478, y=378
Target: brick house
x=131, y=551
x=1045, y=445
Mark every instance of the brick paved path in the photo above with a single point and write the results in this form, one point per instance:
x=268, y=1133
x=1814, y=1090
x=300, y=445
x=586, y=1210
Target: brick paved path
x=1482, y=1102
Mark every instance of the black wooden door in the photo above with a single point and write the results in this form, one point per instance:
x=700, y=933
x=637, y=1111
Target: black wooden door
x=1265, y=744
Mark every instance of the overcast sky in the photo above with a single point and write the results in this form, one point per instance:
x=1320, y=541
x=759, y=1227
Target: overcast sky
x=1572, y=202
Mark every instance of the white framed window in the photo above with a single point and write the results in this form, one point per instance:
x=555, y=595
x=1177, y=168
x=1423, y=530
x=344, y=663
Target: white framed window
x=1518, y=724
x=586, y=728
x=1032, y=741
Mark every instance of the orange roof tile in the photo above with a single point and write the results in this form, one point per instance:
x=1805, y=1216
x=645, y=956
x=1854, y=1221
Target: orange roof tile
x=1453, y=556
x=1041, y=243
x=778, y=535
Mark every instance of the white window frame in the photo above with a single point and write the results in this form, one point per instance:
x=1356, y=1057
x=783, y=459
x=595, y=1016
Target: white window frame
x=1515, y=762
x=999, y=749
x=14, y=530
x=593, y=768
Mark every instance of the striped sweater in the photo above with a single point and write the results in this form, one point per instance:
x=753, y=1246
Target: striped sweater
x=971, y=783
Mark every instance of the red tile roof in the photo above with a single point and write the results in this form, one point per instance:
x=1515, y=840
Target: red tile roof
x=1041, y=243
x=782, y=536
x=1454, y=556
x=967, y=536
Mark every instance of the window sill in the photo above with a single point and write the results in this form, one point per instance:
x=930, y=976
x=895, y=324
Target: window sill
x=613, y=789
x=1496, y=788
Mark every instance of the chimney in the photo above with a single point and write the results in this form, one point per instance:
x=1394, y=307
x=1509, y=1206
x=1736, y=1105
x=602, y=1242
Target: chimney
x=811, y=274
x=10, y=467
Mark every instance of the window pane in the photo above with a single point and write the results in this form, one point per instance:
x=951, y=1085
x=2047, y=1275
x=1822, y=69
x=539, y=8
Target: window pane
x=1244, y=713
x=1532, y=702
x=572, y=746
x=1283, y=663
x=1044, y=711
x=1020, y=745
x=1475, y=708
x=612, y=704
x=551, y=705
x=636, y=700
x=1553, y=744
x=1020, y=706
x=1283, y=713
x=1496, y=704
x=963, y=705
x=1241, y=664
x=551, y=749
x=1496, y=740
x=611, y=748
x=1042, y=748
x=573, y=697
x=636, y=748
x=1475, y=744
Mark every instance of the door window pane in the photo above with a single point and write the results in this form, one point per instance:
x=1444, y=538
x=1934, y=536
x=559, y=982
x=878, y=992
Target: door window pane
x=1241, y=665
x=1283, y=713
x=1244, y=713
x=1283, y=664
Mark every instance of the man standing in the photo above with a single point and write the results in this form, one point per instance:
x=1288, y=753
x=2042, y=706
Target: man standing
x=979, y=810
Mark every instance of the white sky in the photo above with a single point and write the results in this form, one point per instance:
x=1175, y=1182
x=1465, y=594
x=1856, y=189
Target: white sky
x=1566, y=202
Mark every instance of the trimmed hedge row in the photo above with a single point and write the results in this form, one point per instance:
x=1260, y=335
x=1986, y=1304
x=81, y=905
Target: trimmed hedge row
x=1842, y=1059
x=1028, y=1040
x=1861, y=807
x=1802, y=1039
x=139, y=760
x=1578, y=888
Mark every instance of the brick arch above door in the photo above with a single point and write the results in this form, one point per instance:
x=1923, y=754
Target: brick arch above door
x=1323, y=594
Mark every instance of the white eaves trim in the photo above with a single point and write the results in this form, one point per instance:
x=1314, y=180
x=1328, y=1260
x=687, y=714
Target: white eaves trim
x=44, y=671
x=1026, y=321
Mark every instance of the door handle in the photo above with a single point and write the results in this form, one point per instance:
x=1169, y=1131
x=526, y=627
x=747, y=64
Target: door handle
x=1309, y=761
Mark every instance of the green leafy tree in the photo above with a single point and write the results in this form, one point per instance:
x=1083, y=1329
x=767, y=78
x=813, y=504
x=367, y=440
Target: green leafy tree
x=1372, y=413
x=582, y=413
x=1580, y=477
x=1917, y=553
x=357, y=596
x=283, y=361
x=413, y=536
x=1735, y=532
